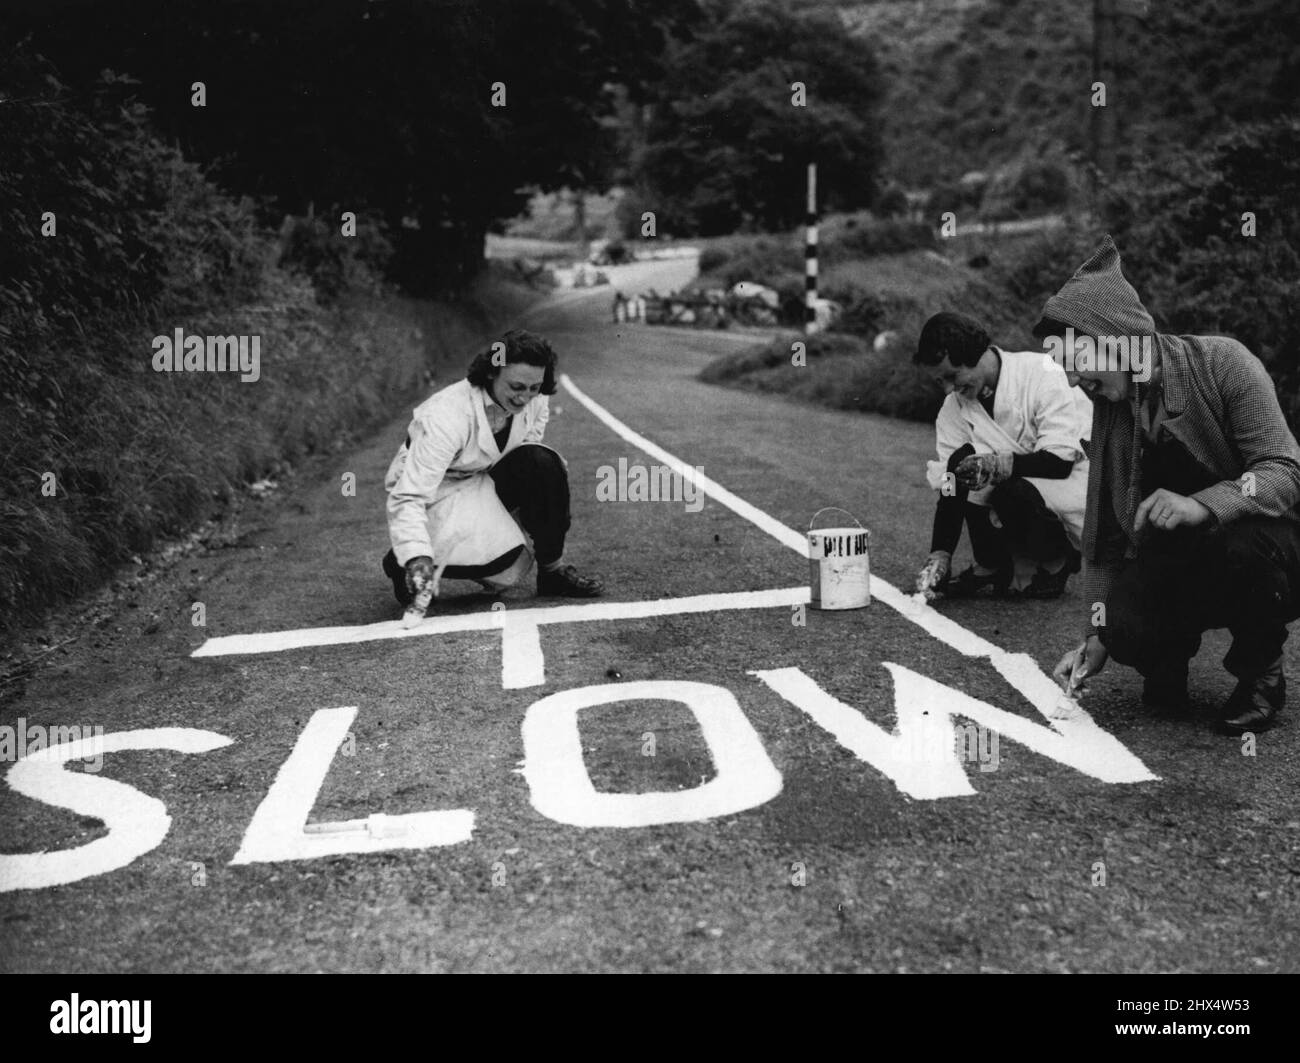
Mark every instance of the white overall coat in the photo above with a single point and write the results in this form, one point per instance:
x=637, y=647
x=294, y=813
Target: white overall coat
x=1034, y=408
x=441, y=501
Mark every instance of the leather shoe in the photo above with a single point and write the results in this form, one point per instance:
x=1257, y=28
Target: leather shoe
x=1046, y=584
x=969, y=583
x=1255, y=702
x=566, y=582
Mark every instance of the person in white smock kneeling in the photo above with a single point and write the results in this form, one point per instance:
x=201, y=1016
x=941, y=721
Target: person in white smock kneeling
x=1011, y=464
x=474, y=476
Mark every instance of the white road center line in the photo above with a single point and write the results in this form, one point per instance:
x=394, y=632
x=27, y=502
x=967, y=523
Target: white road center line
x=786, y=536
x=1019, y=669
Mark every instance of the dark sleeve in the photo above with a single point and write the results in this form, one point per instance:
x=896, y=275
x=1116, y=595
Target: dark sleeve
x=948, y=516
x=951, y=509
x=1041, y=464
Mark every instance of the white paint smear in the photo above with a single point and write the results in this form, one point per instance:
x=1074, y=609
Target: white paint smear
x=136, y=822
x=1019, y=669
x=924, y=705
x=277, y=831
x=278, y=641
x=561, y=789
x=522, y=662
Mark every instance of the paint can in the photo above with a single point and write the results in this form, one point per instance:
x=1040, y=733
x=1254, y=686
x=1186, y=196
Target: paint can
x=839, y=562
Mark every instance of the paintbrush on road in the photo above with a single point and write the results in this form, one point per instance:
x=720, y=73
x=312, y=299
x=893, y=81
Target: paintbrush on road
x=423, y=597
x=1068, y=704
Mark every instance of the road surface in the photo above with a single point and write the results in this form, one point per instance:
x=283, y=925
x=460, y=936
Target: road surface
x=695, y=773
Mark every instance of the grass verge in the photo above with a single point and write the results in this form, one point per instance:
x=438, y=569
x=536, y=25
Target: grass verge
x=141, y=456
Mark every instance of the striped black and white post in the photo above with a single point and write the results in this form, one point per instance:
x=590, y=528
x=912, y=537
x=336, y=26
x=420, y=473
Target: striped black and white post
x=810, y=254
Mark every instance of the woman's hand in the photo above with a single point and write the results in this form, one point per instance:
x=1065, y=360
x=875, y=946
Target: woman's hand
x=984, y=470
x=1084, y=661
x=420, y=573
x=1166, y=511
x=934, y=572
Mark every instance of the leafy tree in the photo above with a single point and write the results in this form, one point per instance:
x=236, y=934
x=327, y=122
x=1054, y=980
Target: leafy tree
x=1212, y=241
x=377, y=105
x=726, y=147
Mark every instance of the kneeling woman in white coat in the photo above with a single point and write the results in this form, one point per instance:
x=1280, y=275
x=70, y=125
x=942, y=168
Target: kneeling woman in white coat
x=474, y=456
x=1011, y=464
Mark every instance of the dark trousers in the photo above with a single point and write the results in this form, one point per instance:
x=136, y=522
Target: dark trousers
x=532, y=484
x=1029, y=528
x=1244, y=576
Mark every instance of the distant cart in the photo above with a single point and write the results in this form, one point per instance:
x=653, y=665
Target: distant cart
x=694, y=309
x=744, y=304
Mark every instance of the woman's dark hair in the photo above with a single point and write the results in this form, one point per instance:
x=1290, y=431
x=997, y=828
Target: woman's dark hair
x=960, y=339
x=521, y=346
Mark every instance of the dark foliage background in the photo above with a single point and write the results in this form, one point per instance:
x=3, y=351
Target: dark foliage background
x=380, y=106
x=1181, y=227
x=725, y=147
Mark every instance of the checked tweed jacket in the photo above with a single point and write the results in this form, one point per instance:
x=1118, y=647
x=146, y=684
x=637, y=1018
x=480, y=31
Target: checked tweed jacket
x=1222, y=407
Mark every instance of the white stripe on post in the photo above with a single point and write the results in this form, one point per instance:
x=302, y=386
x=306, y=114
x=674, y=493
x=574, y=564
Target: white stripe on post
x=810, y=253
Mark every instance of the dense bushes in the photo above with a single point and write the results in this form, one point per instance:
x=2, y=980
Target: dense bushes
x=135, y=230
x=1184, y=233
x=1210, y=240
x=842, y=372
x=761, y=259
x=773, y=259
x=335, y=262
x=1028, y=270
x=723, y=149
x=856, y=237
x=1029, y=187
x=141, y=243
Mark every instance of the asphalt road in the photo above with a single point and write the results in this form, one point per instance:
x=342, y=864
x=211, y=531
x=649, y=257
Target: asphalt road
x=788, y=820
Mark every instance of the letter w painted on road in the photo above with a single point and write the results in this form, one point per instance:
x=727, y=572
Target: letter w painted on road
x=925, y=710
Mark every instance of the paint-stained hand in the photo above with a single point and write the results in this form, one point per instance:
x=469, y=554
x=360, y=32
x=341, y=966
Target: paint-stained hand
x=934, y=571
x=419, y=574
x=983, y=470
x=1082, y=662
x=1165, y=511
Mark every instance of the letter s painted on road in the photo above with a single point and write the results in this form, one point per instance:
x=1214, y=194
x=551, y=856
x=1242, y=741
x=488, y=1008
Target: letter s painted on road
x=136, y=822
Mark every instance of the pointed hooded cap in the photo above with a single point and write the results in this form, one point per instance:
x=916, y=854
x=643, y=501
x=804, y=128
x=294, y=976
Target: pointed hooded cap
x=1098, y=301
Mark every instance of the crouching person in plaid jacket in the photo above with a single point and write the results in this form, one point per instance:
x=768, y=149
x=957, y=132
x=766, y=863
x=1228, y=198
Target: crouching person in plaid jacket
x=1191, y=520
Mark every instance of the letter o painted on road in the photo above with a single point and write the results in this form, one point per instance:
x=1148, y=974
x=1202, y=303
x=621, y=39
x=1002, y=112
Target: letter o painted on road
x=561, y=789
